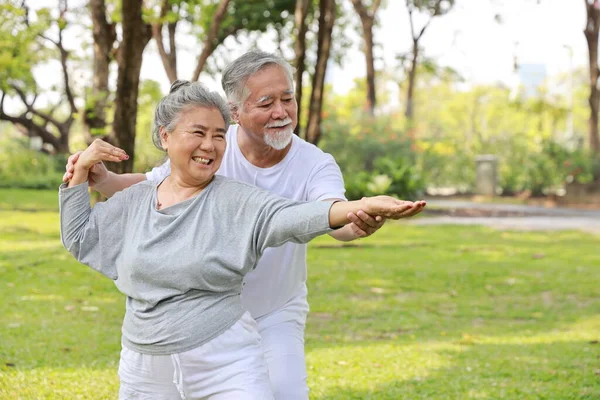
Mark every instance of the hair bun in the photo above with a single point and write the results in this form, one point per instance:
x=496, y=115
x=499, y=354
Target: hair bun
x=179, y=83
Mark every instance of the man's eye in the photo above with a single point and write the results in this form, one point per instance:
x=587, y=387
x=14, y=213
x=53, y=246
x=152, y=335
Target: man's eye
x=287, y=100
x=265, y=105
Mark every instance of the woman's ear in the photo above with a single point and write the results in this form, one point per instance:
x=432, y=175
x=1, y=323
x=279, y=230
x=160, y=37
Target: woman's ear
x=164, y=138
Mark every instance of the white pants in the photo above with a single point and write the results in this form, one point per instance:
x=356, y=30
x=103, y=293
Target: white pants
x=229, y=367
x=282, y=333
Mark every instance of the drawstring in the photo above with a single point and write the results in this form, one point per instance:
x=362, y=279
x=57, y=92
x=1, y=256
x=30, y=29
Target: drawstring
x=178, y=375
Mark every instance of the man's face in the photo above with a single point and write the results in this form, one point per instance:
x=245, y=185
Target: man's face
x=270, y=113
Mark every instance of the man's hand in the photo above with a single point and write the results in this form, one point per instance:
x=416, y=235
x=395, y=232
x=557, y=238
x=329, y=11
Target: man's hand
x=390, y=207
x=91, y=159
x=364, y=225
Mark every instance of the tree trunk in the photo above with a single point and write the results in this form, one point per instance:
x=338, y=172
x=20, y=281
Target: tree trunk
x=411, y=83
x=104, y=35
x=300, y=52
x=367, y=20
x=368, y=33
x=326, y=21
x=136, y=35
x=591, y=31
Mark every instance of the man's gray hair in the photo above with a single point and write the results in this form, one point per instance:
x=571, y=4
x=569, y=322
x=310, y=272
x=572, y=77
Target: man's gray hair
x=183, y=95
x=236, y=74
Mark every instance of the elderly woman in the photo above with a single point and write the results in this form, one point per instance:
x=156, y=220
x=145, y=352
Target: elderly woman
x=179, y=250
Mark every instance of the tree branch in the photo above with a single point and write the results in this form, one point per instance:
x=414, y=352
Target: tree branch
x=31, y=127
x=423, y=29
x=375, y=7
x=166, y=57
x=360, y=9
x=172, y=27
x=44, y=116
x=410, y=19
x=209, y=43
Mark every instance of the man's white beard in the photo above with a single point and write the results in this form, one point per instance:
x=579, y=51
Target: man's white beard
x=281, y=139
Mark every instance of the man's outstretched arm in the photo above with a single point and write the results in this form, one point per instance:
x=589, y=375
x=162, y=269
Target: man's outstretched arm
x=363, y=225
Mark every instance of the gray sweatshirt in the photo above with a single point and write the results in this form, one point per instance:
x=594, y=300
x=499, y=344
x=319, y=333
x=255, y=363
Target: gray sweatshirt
x=181, y=268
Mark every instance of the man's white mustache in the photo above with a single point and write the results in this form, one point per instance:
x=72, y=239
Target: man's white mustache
x=278, y=124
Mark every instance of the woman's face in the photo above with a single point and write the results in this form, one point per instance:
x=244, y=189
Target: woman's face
x=196, y=145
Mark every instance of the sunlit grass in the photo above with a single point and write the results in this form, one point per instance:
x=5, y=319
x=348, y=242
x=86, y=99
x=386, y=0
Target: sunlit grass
x=413, y=313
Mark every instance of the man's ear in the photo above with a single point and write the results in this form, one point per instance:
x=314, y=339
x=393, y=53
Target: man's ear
x=235, y=114
x=164, y=138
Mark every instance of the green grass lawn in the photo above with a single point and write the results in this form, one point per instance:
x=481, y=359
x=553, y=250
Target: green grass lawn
x=413, y=313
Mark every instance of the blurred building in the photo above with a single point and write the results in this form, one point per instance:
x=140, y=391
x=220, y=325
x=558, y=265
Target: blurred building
x=527, y=78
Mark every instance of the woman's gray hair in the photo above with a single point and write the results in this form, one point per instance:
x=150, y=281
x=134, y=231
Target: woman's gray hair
x=236, y=74
x=183, y=95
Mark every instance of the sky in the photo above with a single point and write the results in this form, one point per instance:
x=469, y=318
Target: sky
x=467, y=39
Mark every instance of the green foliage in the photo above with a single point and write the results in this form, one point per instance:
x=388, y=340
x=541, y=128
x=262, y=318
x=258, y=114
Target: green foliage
x=582, y=167
x=538, y=171
x=21, y=167
x=374, y=156
x=20, y=49
x=432, y=7
x=247, y=15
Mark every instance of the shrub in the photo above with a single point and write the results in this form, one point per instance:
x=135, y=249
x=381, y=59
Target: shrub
x=21, y=167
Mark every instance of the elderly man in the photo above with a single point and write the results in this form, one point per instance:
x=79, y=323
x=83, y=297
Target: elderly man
x=263, y=151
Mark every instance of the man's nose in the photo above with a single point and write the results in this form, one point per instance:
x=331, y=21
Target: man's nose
x=279, y=111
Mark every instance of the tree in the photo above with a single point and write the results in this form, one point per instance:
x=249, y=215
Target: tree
x=592, y=29
x=433, y=8
x=104, y=36
x=127, y=52
x=327, y=13
x=23, y=45
x=136, y=35
x=367, y=19
x=301, y=28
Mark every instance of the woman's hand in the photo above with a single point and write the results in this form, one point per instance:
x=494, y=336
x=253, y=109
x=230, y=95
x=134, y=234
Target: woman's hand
x=100, y=151
x=389, y=207
x=87, y=165
x=91, y=160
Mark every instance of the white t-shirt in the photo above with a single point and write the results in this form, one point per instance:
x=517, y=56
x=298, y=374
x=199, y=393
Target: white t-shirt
x=307, y=174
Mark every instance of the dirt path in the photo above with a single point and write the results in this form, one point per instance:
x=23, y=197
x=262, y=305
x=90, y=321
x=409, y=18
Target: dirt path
x=509, y=216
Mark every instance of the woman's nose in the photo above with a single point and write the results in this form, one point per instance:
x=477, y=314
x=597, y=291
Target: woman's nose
x=207, y=144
